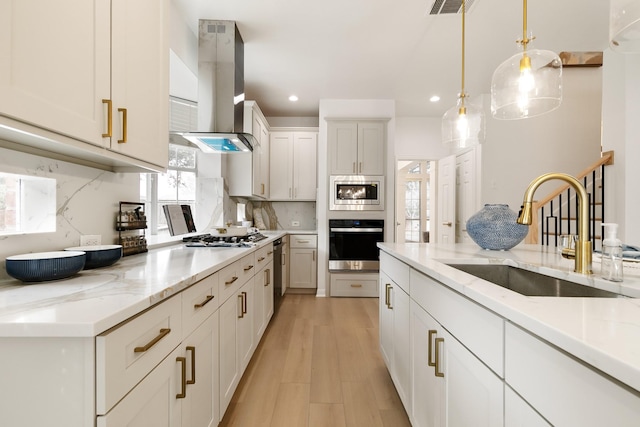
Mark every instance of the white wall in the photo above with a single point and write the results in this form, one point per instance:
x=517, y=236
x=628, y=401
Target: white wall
x=353, y=109
x=418, y=138
x=621, y=127
x=565, y=140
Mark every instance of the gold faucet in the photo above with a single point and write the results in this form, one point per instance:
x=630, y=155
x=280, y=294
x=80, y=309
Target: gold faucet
x=582, y=252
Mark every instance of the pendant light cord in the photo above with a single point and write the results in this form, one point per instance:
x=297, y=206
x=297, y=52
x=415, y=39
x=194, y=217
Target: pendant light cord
x=462, y=94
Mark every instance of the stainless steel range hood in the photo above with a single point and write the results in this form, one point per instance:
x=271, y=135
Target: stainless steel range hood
x=220, y=91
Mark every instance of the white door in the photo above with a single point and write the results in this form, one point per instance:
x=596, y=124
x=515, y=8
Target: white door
x=281, y=165
x=466, y=193
x=304, y=165
x=446, y=230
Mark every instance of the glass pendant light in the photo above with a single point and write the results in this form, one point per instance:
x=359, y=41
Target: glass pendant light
x=463, y=125
x=624, y=26
x=527, y=84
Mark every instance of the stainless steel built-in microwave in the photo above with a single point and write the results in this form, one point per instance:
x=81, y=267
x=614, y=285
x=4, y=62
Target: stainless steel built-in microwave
x=356, y=193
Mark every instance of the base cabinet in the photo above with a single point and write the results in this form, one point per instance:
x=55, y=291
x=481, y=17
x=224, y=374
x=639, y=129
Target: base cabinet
x=562, y=389
x=303, y=261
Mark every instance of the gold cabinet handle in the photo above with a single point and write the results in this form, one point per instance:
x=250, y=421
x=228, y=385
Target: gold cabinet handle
x=109, y=118
x=241, y=315
x=124, y=125
x=233, y=279
x=354, y=167
x=183, y=382
x=356, y=285
x=262, y=192
x=192, y=349
x=163, y=332
x=432, y=332
x=360, y=167
x=447, y=223
x=267, y=279
x=313, y=255
x=269, y=253
x=386, y=294
x=206, y=301
x=303, y=241
x=244, y=303
x=261, y=259
x=249, y=267
x=439, y=373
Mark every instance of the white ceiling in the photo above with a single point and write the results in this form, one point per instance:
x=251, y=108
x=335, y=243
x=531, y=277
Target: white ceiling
x=388, y=49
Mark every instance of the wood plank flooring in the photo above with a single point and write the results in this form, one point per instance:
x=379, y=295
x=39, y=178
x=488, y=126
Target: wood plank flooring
x=318, y=365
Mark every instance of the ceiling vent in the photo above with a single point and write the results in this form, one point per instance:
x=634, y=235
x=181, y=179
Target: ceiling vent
x=441, y=7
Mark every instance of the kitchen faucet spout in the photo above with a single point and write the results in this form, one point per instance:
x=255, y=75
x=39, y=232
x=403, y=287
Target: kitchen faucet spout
x=583, y=250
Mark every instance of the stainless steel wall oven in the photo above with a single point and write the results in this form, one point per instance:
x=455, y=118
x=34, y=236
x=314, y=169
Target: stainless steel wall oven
x=353, y=244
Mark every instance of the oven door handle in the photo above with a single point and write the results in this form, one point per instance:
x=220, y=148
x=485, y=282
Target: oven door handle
x=356, y=230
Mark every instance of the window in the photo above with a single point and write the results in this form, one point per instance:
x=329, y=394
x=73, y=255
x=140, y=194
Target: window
x=27, y=204
x=176, y=186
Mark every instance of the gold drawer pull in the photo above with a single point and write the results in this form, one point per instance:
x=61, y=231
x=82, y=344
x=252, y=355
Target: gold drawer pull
x=231, y=281
x=206, y=301
x=183, y=382
x=269, y=253
x=439, y=373
x=261, y=259
x=249, y=267
x=192, y=349
x=432, y=332
x=163, y=332
x=356, y=285
x=387, y=297
x=267, y=277
x=124, y=126
x=109, y=118
x=303, y=241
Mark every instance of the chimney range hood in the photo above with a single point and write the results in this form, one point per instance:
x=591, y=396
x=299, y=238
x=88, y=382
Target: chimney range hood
x=220, y=91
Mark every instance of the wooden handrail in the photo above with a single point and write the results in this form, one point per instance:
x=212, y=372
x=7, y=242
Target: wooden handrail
x=606, y=159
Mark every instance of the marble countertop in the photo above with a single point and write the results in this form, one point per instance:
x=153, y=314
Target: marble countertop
x=603, y=332
x=93, y=301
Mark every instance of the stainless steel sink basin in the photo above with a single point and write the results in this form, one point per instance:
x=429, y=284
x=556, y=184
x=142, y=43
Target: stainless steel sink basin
x=532, y=284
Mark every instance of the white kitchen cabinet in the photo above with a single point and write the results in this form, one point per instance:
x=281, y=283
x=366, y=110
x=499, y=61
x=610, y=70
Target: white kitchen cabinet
x=395, y=338
x=518, y=413
x=451, y=386
x=562, y=389
x=303, y=261
x=293, y=158
x=354, y=284
x=69, y=79
x=154, y=401
x=249, y=172
x=356, y=147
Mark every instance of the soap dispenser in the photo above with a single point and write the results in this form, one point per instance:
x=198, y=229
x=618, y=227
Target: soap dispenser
x=611, y=254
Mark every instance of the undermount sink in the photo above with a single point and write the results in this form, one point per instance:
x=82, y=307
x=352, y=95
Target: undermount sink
x=531, y=284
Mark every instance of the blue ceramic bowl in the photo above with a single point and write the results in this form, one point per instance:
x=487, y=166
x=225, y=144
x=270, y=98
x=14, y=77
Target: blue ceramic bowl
x=99, y=255
x=43, y=266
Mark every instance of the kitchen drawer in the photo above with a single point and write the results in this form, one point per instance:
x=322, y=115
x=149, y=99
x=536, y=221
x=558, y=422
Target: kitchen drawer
x=308, y=241
x=480, y=330
x=199, y=302
x=354, y=285
x=263, y=256
x=397, y=270
x=129, y=351
x=233, y=276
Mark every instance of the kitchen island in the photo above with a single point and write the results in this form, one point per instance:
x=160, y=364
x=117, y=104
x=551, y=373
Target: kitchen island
x=540, y=352
x=124, y=342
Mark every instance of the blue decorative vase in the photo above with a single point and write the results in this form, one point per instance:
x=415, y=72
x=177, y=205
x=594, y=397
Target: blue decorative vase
x=494, y=227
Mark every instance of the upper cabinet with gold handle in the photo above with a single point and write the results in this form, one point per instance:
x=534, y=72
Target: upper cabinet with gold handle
x=124, y=125
x=109, y=118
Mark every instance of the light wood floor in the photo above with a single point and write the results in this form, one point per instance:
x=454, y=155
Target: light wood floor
x=318, y=365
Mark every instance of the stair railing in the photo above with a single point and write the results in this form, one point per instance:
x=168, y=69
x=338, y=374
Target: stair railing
x=557, y=213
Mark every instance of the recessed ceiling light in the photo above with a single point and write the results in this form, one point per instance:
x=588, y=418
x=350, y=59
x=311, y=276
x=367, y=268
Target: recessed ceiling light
x=293, y=98
x=434, y=98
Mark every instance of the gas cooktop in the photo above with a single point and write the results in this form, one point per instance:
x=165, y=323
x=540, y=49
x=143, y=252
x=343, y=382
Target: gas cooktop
x=207, y=240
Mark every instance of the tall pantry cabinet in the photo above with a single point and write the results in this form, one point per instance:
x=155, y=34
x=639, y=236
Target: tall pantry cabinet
x=90, y=76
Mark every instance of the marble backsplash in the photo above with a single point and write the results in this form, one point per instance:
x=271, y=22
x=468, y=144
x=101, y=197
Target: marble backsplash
x=282, y=215
x=86, y=203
